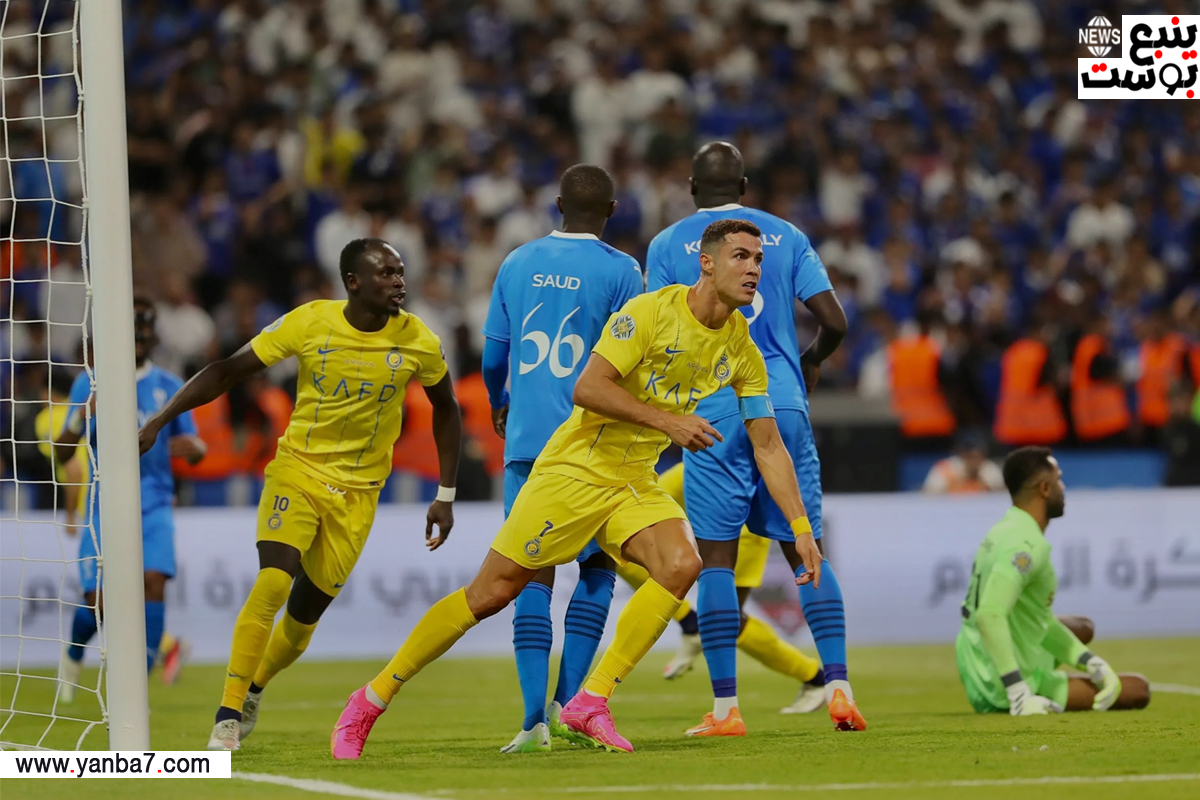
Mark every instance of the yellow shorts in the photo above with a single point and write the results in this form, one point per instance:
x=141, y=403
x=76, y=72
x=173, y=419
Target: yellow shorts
x=328, y=526
x=751, y=560
x=554, y=517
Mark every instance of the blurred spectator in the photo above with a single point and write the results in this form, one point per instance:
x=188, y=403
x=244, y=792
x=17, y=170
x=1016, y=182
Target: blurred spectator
x=185, y=330
x=968, y=471
x=1100, y=218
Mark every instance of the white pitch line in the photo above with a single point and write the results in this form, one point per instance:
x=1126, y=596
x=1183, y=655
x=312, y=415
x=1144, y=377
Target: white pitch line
x=842, y=787
x=327, y=787
x=344, y=790
x=1175, y=688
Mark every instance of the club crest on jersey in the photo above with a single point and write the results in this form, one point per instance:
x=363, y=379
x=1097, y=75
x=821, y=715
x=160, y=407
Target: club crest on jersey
x=394, y=359
x=721, y=371
x=1022, y=561
x=622, y=327
x=273, y=326
x=275, y=521
x=534, y=546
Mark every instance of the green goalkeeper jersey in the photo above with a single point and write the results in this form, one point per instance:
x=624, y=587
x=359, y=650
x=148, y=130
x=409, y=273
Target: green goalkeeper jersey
x=1007, y=622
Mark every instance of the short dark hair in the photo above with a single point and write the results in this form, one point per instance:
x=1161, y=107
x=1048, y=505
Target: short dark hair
x=718, y=166
x=586, y=190
x=352, y=255
x=1024, y=464
x=716, y=232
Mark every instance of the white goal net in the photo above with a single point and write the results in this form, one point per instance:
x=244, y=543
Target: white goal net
x=44, y=345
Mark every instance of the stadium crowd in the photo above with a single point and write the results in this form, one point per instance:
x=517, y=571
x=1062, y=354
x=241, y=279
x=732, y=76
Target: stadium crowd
x=1008, y=256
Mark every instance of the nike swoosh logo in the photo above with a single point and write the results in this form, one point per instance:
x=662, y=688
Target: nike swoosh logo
x=338, y=585
x=396, y=677
x=672, y=352
x=321, y=351
x=236, y=677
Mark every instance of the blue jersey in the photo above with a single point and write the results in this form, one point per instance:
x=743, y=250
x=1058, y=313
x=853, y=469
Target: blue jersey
x=791, y=270
x=550, y=302
x=154, y=387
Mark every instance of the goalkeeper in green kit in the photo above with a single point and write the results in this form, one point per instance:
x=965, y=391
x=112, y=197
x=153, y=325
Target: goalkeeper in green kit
x=1011, y=645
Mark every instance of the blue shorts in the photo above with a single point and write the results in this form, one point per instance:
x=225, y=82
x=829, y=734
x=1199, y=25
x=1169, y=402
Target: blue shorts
x=158, y=547
x=516, y=473
x=723, y=491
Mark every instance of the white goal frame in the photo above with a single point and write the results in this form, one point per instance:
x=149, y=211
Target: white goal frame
x=108, y=252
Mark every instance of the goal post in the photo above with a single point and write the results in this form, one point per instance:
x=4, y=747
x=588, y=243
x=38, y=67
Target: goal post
x=109, y=254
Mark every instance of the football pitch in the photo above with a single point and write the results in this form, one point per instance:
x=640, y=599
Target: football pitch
x=442, y=738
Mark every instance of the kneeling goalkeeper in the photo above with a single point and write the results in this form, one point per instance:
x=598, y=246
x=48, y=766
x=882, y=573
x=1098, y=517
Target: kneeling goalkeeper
x=1011, y=645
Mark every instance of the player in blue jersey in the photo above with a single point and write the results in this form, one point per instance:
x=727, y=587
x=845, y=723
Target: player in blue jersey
x=154, y=387
x=550, y=302
x=722, y=486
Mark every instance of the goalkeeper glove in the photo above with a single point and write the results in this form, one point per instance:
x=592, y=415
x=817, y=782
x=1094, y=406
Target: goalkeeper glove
x=1022, y=702
x=1106, y=681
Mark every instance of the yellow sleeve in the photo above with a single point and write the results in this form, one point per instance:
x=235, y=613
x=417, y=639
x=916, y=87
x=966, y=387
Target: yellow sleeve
x=626, y=337
x=750, y=371
x=284, y=337
x=432, y=366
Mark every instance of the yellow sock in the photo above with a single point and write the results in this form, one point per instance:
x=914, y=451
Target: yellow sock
x=760, y=641
x=442, y=626
x=251, y=631
x=635, y=575
x=288, y=641
x=642, y=621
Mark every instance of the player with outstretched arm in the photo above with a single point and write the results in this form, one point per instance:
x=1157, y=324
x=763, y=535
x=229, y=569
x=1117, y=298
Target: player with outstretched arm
x=659, y=355
x=356, y=358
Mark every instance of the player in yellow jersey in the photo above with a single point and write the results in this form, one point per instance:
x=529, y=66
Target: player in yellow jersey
x=356, y=358
x=74, y=473
x=756, y=639
x=659, y=355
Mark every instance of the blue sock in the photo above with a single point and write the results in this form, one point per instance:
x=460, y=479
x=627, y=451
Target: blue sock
x=83, y=628
x=156, y=620
x=720, y=623
x=586, y=616
x=532, y=637
x=826, y=618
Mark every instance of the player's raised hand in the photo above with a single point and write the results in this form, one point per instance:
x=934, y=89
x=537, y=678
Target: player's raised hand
x=441, y=514
x=810, y=554
x=692, y=432
x=500, y=420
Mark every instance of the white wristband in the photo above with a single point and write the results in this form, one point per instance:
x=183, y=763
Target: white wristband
x=446, y=494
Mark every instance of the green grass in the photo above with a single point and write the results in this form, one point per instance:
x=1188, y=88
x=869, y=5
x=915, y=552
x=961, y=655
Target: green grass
x=444, y=732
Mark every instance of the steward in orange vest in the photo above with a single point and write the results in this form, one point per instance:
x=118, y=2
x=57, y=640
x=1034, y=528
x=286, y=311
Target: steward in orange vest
x=1028, y=410
x=1099, y=407
x=1164, y=357
x=917, y=396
